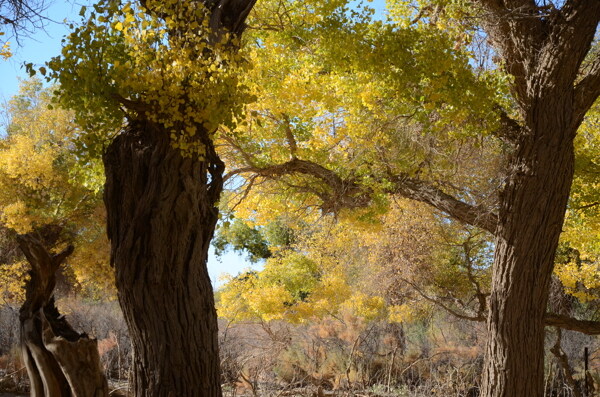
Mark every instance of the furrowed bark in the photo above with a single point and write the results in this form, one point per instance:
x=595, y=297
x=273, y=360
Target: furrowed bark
x=162, y=212
x=161, y=217
x=543, y=49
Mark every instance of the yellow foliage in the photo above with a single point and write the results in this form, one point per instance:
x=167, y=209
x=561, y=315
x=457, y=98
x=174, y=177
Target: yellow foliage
x=368, y=307
x=270, y=301
x=5, y=48
x=574, y=276
x=401, y=313
x=15, y=216
x=43, y=183
x=342, y=266
x=580, y=270
x=159, y=62
x=13, y=277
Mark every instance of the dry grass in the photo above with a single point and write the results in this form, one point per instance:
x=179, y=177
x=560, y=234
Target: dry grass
x=439, y=356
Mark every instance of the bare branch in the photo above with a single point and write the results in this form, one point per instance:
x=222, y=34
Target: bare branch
x=23, y=16
x=583, y=207
x=245, y=155
x=245, y=193
x=426, y=192
x=439, y=303
x=584, y=326
x=479, y=294
x=563, y=360
x=551, y=320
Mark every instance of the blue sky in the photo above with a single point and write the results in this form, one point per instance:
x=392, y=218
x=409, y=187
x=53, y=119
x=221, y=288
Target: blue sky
x=43, y=45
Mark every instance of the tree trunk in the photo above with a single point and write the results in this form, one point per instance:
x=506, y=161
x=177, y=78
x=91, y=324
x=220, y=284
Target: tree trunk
x=59, y=361
x=161, y=217
x=532, y=209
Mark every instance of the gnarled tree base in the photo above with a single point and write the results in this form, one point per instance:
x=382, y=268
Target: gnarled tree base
x=59, y=361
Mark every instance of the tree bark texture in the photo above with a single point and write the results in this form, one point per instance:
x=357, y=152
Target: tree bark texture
x=161, y=217
x=162, y=212
x=60, y=362
x=543, y=49
x=532, y=210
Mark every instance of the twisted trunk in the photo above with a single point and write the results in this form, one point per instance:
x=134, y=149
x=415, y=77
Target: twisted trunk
x=60, y=362
x=161, y=217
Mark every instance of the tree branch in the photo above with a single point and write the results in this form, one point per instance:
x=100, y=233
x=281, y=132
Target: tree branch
x=228, y=16
x=515, y=28
x=550, y=320
x=563, y=360
x=568, y=42
x=541, y=44
x=137, y=106
x=584, y=326
x=426, y=192
x=289, y=135
x=478, y=318
x=479, y=294
x=588, y=89
x=346, y=193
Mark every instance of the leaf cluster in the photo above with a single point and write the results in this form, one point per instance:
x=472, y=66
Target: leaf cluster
x=158, y=61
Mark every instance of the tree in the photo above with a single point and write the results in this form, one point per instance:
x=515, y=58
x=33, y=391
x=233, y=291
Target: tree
x=46, y=183
x=544, y=54
x=43, y=203
x=554, y=79
x=166, y=75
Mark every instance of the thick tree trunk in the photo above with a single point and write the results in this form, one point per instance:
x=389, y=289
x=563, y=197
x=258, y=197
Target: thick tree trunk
x=161, y=217
x=60, y=362
x=532, y=208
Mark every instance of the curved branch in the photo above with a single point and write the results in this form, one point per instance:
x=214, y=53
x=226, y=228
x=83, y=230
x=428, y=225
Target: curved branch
x=479, y=317
x=563, y=361
x=426, y=192
x=346, y=193
x=550, y=320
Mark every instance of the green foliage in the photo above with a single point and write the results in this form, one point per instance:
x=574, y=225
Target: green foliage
x=257, y=241
x=242, y=238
